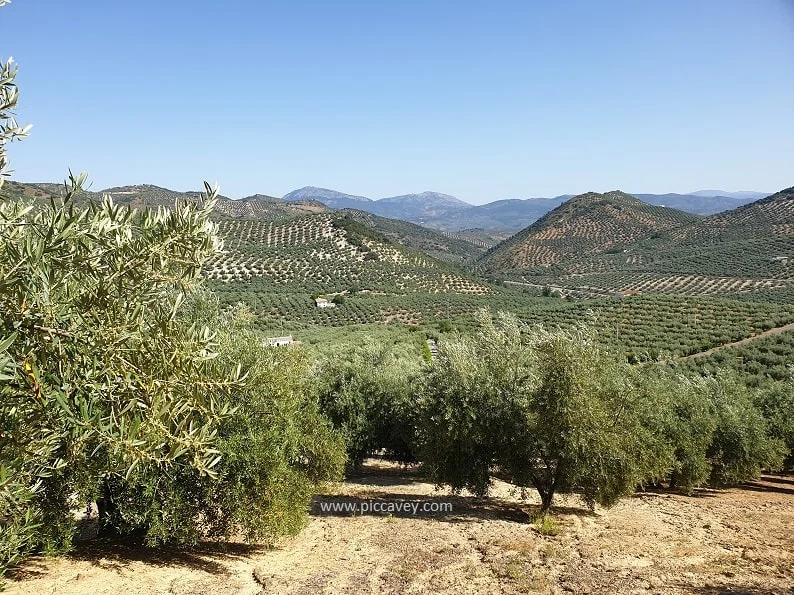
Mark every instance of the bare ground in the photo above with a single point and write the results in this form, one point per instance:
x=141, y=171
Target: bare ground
x=730, y=541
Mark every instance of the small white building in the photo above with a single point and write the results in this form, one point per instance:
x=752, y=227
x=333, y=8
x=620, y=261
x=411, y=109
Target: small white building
x=324, y=303
x=278, y=341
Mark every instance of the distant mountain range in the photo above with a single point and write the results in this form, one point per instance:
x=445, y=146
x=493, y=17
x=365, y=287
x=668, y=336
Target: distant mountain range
x=434, y=210
x=447, y=213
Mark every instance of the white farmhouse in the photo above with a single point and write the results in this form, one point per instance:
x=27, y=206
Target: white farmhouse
x=277, y=341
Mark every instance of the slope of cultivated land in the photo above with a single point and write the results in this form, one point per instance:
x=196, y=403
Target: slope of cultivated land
x=744, y=251
x=729, y=541
x=760, y=359
x=773, y=215
x=328, y=254
x=662, y=325
x=448, y=247
x=585, y=226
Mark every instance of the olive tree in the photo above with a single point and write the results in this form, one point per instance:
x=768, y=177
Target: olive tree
x=547, y=409
x=368, y=393
x=108, y=393
x=741, y=446
x=776, y=403
x=276, y=447
x=475, y=400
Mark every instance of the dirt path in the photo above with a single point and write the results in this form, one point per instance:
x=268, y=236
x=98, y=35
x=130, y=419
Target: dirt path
x=773, y=331
x=730, y=541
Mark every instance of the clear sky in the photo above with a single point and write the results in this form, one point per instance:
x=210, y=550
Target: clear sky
x=482, y=100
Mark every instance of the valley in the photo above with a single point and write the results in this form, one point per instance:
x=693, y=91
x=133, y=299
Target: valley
x=657, y=282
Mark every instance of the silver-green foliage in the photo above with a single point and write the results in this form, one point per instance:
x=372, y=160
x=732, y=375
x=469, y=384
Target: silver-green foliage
x=110, y=393
x=368, y=392
x=276, y=448
x=549, y=409
x=99, y=378
x=557, y=411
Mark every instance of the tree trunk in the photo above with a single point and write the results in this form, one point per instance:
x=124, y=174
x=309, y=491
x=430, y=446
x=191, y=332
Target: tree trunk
x=545, y=500
x=107, y=511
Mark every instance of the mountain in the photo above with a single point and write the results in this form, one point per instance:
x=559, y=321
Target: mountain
x=743, y=194
x=418, y=208
x=447, y=213
x=497, y=216
x=330, y=198
x=584, y=226
x=695, y=204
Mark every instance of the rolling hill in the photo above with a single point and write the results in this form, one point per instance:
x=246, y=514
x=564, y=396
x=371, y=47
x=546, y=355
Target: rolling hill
x=581, y=228
x=447, y=213
x=328, y=253
x=449, y=247
x=748, y=251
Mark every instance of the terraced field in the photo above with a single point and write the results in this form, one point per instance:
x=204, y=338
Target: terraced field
x=744, y=251
x=585, y=226
x=328, y=254
x=446, y=246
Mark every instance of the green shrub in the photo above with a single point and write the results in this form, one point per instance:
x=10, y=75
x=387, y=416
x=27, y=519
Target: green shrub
x=741, y=447
x=776, y=403
x=101, y=382
x=548, y=409
x=276, y=449
x=367, y=391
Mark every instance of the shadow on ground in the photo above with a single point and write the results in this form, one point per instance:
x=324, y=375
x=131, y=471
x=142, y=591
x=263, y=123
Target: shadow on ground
x=115, y=554
x=442, y=507
x=733, y=590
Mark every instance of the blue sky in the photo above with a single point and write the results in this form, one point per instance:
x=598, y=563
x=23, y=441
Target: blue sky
x=483, y=100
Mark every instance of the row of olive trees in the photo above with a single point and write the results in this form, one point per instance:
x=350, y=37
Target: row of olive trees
x=553, y=410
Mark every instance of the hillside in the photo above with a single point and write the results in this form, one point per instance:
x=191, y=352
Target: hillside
x=418, y=208
x=745, y=251
x=448, y=247
x=585, y=226
x=277, y=266
x=329, y=254
x=771, y=215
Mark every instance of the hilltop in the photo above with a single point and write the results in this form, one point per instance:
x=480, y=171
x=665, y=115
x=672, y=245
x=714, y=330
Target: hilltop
x=258, y=206
x=583, y=227
x=419, y=208
x=330, y=198
x=492, y=221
